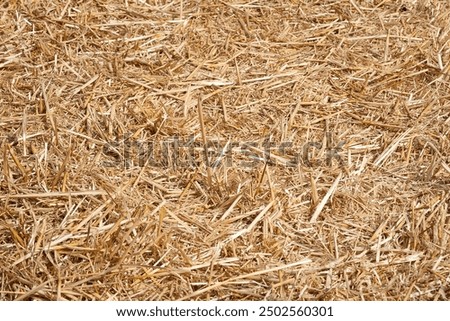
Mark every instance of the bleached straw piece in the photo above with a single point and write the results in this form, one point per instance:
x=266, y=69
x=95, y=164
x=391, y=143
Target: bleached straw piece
x=54, y=194
x=244, y=276
x=204, y=139
x=252, y=225
x=325, y=199
x=388, y=151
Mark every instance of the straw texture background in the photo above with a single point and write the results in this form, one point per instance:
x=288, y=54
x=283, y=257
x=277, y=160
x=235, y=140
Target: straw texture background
x=354, y=207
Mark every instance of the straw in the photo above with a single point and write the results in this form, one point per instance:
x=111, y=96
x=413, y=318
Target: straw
x=224, y=150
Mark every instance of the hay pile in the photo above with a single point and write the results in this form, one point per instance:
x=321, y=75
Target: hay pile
x=327, y=130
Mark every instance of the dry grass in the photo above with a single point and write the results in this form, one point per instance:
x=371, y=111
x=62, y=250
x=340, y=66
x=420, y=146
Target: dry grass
x=83, y=219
